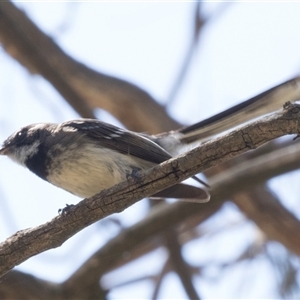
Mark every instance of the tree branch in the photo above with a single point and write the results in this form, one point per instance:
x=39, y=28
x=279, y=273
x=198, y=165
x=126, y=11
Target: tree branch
x=19, y=285
x=277, y=223
x=179, y=265
x=139, y=239
x=83, y=88
x=27, y=243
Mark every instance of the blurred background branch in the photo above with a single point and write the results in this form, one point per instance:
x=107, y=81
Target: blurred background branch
x=240, y=186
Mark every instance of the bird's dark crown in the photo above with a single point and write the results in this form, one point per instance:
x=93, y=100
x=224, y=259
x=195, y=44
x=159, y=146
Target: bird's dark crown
x=24, y=142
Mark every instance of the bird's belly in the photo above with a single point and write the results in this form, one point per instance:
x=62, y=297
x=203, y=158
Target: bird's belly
x=88, y=174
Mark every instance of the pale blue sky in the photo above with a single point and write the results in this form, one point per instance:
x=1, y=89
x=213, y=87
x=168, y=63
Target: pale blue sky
x=247, y=49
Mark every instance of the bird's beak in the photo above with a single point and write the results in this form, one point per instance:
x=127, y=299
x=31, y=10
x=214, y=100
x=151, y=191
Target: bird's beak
x=4, y=150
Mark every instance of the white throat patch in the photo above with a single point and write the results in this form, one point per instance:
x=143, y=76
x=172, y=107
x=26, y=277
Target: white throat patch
x=21, y=154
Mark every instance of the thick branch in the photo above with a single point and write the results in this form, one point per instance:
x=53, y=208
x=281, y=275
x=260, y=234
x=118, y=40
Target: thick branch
x=27, y=243
x=84, y=88
x=19, y=285
x=277, y=223
x=224, y=186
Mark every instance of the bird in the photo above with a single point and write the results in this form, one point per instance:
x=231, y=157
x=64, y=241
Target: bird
x=86, y=156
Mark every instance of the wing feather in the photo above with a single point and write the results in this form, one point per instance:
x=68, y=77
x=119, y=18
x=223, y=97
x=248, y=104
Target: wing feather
x=121, y=140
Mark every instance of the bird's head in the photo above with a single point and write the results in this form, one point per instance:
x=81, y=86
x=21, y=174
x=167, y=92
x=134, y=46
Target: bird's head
x=24, y=143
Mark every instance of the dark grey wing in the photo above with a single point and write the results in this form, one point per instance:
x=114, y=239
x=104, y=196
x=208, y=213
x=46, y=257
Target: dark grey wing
x=120, y=140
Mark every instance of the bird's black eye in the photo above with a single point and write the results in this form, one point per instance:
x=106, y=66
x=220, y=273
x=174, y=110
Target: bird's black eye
x=21, y=136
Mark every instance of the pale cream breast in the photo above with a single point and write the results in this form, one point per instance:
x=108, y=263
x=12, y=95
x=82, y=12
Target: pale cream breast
x=88, y=174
